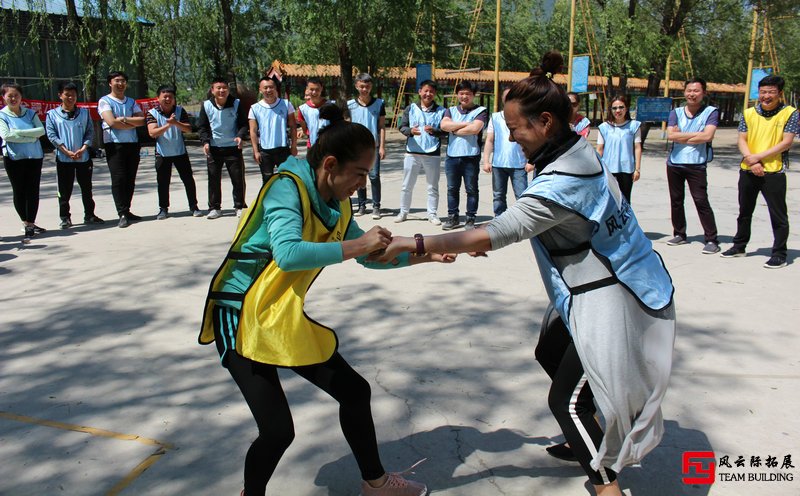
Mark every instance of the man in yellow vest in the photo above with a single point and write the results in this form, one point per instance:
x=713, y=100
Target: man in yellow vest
x=766, y=132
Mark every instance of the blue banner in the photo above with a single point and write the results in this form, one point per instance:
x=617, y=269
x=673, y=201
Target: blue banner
x=758, y=75
x=653, y=109
x=423, y=73
x=580, y=74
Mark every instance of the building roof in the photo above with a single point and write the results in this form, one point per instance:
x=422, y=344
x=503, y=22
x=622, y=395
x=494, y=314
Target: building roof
x=330, y=70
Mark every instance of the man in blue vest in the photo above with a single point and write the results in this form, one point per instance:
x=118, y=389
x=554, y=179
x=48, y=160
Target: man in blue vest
x=421, y=125
x=505, y=161
x=465, y=123
x=222, y=125
x=273, y=128
x=370, y=112
x=308, y=113
x=70, y=130
x=121, y=116
x=691, y=129
x=167, y=123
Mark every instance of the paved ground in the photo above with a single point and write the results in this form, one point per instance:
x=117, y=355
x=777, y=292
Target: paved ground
x=101, y=376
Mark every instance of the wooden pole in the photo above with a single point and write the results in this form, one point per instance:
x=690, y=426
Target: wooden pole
x=753, y=33
x=497, y=59
x=666, y=91
x=571, y=43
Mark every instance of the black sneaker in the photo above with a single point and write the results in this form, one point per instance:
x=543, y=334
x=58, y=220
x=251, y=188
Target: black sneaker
x=132, y=217
x=123, y=221
x=93, y=219
x=451, y=223
x=469, y=224
x=162, y=214
x=562, y=452
x=733, y=252
x=38, y=230
x=29, y=233
x=775, y=262
x=66, y=223
x=362, y=210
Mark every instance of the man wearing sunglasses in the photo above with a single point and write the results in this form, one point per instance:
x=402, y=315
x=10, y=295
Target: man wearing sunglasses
x=766, y=132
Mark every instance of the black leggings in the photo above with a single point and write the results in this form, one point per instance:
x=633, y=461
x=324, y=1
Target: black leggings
x=25, y=176
x=262, y=390
x=570, y=399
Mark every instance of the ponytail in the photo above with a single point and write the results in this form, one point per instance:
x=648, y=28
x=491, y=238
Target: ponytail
x=343, y=140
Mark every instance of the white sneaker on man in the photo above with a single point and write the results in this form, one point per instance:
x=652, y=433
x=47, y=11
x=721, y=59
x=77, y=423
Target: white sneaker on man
x=401, y=217
x=214, y=214
x=434, y=219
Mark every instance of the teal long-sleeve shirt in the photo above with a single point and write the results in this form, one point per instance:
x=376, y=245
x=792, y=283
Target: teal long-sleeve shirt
x=281, y=232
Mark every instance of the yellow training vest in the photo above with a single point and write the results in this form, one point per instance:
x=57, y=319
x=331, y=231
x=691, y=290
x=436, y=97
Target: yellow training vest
x=765, y=132
x=273, y=327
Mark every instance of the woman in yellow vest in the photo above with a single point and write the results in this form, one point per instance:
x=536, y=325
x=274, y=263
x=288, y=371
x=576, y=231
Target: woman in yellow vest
x=301, y=222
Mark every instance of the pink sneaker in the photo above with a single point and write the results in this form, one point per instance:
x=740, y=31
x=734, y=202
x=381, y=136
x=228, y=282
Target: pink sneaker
x=396, y=485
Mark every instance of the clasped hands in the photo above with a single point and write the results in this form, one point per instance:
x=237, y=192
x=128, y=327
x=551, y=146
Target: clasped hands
x=385, y=248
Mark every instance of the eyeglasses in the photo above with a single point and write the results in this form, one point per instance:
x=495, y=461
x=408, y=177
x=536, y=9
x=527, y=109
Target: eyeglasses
x=621, y=107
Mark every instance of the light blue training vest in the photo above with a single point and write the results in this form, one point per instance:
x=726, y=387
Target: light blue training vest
x=424, y=143
x=367, y=116
x=579, y=183
x=683, y=154
x=618, y=155
x=119, y=109
x=464, y=146
x=272, y=124
x=169, y=144
x=507, y=154
x=583, y=124
x=313, y=122
x=222, y=122
x=70, y=132
x=21, y=151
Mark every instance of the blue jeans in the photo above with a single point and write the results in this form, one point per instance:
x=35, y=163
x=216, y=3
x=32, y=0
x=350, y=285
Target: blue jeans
x=375, y=182
x=500, y=178
x=456, y=168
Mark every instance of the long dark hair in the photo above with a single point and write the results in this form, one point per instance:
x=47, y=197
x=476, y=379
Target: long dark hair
x=539, y=93
x=344, y=140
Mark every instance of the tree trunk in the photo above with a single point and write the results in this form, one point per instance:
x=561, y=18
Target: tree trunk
x=346, y=71
x=227, y=43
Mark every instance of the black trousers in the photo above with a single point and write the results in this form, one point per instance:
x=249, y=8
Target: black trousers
x=625, y=182
x=262, y=390
x=272, y=158
x=697, y=179
x=231, y=158
x=570, y=399
x=123, y=164
x=25, y=176
x=773, y=188
x=66, y=172
x=164, y=177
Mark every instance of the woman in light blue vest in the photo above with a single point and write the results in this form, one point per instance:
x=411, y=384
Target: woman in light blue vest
x=619, y=143
x=611, y=291
x=20, y=129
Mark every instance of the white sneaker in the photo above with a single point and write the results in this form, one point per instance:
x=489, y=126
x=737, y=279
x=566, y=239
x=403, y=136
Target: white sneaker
x=197, y=213
x=401, y=217
x=214, y=214
x=434, y=219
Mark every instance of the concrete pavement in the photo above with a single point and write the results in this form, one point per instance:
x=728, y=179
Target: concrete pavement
x=104, y=390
